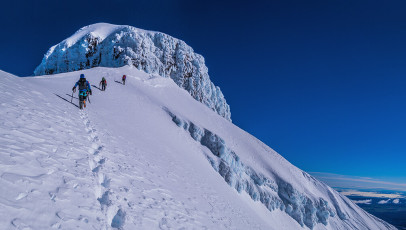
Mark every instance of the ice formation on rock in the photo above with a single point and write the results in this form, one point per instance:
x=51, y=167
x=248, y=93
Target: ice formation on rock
x=109, y=45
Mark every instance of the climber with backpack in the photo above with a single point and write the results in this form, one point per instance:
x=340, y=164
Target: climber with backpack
x=103, y=84
x=124, y=77
x=84, y=89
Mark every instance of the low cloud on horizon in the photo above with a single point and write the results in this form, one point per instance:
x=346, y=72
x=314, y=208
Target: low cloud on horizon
x=362, y=201
x=359, y=183
x=373, y=194
x=384, y=201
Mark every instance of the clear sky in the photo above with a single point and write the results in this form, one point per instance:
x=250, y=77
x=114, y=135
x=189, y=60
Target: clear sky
x=321, y=82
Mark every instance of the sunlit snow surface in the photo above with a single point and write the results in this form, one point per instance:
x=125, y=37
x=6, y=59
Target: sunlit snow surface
x=146, y=156
x=108, y=45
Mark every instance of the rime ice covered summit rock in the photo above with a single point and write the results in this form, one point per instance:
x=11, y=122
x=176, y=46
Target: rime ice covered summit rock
x=108, y=45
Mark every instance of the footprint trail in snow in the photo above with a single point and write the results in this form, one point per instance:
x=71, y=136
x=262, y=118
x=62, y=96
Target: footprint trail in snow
x=123, y=163
x=102, y=190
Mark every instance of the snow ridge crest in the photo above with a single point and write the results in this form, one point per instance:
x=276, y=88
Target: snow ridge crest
x=108, y=45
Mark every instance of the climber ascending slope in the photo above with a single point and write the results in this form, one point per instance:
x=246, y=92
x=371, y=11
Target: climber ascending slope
x=103, y=84
x=123, y=79
x=84, y=89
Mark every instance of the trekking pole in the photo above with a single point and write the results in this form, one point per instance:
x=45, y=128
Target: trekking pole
x=88, y=98
x=71, y=97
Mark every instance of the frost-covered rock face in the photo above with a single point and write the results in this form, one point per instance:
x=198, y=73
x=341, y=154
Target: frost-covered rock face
x=274, y=193
x=153, y=52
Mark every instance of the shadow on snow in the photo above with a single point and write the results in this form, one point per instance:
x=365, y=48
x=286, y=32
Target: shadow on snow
x=97, y=87
x=66, y=100
x=72, y=96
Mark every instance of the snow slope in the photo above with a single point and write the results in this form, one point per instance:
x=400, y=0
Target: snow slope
x=146, y=156
x=108, y=45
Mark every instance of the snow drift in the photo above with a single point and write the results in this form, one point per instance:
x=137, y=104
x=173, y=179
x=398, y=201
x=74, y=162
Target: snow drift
x=147, y=156
x=109, y=45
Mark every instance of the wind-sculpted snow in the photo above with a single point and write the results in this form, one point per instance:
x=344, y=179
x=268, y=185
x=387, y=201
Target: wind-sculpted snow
x=153, y=52
x=123, y=163
x=274, y=194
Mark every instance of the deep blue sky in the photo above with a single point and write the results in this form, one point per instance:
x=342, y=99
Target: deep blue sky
x=322, y=82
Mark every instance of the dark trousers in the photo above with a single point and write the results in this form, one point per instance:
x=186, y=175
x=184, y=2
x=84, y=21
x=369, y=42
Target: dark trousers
x=82, y=98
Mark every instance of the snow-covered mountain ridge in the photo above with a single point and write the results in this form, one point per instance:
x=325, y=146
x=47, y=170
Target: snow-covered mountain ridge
x=147, y=156
x=110, y=45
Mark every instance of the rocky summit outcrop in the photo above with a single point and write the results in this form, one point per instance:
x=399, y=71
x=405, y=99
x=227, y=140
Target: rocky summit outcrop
x=109, y=45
